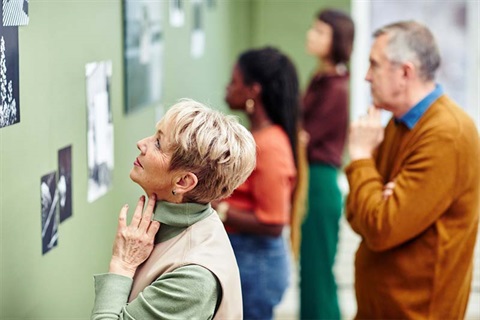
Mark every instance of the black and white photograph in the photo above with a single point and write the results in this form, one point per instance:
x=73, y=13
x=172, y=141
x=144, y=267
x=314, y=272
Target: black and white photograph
x=49, y=199
x=9, y=80
x=197, y=45
x=99, y=129
x=64, y=185
x=177, y=13
x=15, y=12
x=143, y=53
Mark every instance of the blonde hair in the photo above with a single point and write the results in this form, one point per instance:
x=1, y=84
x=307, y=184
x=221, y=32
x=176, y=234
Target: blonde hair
x=213, y=146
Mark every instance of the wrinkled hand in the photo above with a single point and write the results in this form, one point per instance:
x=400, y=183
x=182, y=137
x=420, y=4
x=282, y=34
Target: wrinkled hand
x=134, y=243
x=365, y=135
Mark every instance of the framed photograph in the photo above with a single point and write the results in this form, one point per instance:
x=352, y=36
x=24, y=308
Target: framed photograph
x=9, y=77
x=99, y=129
x=15, y=12
x=177, y=13
x=49, y=199
x=143, y=53
x=64, y=185
x=197, y=43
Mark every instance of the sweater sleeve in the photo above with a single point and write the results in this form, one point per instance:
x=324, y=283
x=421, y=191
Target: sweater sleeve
x=189, y=292
x=424, y=189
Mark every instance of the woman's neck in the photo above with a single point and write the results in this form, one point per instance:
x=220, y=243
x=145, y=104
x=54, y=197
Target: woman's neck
x=259, y=119
x=328, y=67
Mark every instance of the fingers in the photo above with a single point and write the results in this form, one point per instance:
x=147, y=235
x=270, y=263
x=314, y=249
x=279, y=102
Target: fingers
x=388, y=190
x=137, y=216
x=153, y=229
x=122, y=219
x=148, y=213
x=374, y=114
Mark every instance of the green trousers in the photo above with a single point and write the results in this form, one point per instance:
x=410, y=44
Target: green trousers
x=318, y=289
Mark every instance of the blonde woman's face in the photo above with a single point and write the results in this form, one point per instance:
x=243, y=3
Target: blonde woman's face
x=319, y=39
x=151, y=167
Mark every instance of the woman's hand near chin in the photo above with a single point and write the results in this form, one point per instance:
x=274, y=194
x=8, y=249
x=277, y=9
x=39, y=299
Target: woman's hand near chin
x=134, y=243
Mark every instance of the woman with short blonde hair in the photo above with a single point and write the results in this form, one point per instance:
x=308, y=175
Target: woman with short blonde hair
x=174, y=260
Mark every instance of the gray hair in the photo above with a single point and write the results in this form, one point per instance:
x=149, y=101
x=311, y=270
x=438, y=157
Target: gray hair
x=413, y=42
x=214, y=146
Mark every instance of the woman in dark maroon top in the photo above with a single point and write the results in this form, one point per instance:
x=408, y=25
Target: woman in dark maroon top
x=325, y=120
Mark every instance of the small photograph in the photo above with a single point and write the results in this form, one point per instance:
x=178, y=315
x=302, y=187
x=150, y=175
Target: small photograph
x=177, y=13
x=49, y=199
x=64, y=184
x=99, y=129
x=9, y=80
x=15, y=12
x=197, y=45
x=143, y=53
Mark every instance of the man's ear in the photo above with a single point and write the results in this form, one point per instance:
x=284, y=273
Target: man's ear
x=185, y=183
x=409, y=70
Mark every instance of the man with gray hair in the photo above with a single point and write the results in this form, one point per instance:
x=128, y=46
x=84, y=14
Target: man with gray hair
x=414, y=186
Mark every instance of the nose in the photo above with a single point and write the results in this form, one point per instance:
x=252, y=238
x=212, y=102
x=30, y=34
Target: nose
x=368, y=76
x=141, y=145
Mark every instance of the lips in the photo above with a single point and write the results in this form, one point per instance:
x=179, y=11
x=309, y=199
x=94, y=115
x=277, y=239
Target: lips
x=137, y=163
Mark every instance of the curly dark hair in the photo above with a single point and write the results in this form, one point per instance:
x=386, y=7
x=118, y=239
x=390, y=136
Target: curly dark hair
x=277, y=76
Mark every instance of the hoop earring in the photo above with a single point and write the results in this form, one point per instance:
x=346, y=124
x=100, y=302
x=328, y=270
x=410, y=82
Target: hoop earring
x=250, y=106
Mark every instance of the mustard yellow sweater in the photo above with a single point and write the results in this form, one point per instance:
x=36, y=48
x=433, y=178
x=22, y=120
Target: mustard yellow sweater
x=415, y=258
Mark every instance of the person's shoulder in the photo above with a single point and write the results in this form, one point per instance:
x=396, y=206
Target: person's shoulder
x=271, y=137
x=451, y=117
x=339, y=83
x=446, y=122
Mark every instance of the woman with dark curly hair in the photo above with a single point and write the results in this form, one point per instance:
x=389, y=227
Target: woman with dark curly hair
x=264, y=85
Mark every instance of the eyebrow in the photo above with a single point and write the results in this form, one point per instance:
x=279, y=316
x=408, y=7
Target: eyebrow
x=160, y=132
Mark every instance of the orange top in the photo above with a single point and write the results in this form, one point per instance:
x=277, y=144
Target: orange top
x=268, y=190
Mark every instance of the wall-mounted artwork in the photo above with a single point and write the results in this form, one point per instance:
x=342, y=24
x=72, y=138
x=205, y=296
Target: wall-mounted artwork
x=64, y=185
x=99, y=129
x=15, y=12
x=49, y=199
x=197, y=45
x=143, y=53
x=177, y=13
x=9, y=80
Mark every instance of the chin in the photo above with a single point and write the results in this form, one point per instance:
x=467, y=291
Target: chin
x=132, y=176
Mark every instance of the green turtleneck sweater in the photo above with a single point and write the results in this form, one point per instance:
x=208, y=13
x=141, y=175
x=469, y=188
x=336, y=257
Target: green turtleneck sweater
x=185, y=293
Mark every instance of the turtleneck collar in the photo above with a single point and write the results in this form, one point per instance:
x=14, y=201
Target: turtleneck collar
x=176, y=217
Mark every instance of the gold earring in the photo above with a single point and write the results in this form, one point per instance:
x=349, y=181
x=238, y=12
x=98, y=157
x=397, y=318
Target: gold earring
x=250, y=106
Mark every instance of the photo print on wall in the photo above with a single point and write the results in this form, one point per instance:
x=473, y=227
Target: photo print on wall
x=177, y=13
x=15, y=12
x=49, y=199
x=99, y=129
x=9, y=80
x=143, y=53
x=64, y=185
x=197, y=45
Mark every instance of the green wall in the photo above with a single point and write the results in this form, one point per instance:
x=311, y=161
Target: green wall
x=61, y=38
x=284, y=24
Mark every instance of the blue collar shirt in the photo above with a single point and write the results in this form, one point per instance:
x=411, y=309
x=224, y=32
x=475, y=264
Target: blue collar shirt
x=411, y=118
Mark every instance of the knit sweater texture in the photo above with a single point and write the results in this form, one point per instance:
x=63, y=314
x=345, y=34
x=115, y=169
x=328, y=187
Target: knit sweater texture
x=415, y=258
